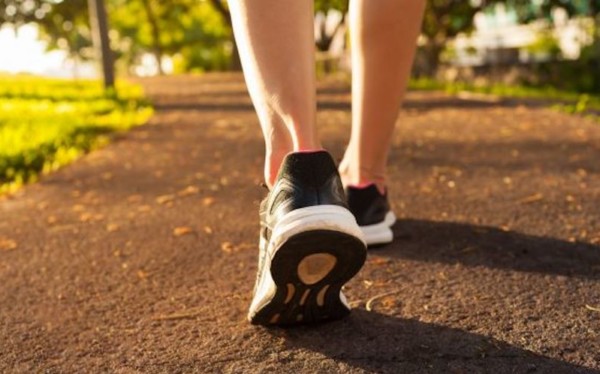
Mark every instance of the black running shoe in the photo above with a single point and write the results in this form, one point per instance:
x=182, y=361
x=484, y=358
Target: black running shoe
x=373, y=213
x=310, y=245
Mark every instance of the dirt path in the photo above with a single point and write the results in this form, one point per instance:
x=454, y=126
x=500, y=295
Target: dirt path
x=140, y=258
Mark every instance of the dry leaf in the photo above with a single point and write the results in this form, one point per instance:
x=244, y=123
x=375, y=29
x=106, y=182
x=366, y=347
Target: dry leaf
x=85, y=217
x=208, y=201
x=468, y=249
x=183, y=230
x=532, y=199
x=592, y=308
x=134, y=198
x=208, y=230
x=78, y=208
x=7, y=244
x=378, y=261
x=111, y=227
x=189, y=190
x=165, y=199
x=227, y=247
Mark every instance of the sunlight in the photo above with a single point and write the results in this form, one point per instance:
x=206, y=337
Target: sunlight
x=28, y=54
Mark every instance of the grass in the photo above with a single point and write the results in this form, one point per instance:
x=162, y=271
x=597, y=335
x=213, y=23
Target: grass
x=571, y=102
x=47, y=123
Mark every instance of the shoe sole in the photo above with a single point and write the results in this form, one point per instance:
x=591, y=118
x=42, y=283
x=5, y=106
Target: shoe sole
x=380, y=233
x=316, y=251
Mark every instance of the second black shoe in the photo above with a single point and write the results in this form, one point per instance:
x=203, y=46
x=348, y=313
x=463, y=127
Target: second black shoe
x=310, y=245
x=372, y=211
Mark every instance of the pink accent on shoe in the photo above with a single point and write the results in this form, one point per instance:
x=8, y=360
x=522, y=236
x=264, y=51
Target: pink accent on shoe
x=361, y=186
x=309, y=150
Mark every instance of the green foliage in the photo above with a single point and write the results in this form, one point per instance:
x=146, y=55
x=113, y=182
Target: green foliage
x=569, y=101
x=545, y=44
x=47, y=123
x=193, y=31
x=326, y=5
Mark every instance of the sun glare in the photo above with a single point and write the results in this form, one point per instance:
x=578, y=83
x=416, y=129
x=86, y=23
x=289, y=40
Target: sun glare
x=28, y=54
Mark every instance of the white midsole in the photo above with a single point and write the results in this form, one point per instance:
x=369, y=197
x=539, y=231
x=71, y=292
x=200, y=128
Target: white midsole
x=380, y=233
x=321, y=217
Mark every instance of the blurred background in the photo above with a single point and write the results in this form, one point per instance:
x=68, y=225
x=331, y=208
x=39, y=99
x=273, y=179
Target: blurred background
x=54, y=54
x=539, y=42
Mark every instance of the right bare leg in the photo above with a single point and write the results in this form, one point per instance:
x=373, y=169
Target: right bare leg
x=276, y=43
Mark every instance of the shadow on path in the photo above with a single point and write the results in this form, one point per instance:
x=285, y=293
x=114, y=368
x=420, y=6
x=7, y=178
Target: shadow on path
x=239, y=101
x=385, y=344
x=472, y=245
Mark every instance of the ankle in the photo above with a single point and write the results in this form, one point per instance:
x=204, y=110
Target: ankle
x=361, y=177
x=273, y=160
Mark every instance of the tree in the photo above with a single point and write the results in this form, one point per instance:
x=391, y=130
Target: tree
x=324, y=36
x=191, y=32
x=99, y=27
x=221, y=7
x=19, y=12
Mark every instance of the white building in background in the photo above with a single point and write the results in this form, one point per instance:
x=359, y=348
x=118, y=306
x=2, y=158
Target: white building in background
x=499, y=38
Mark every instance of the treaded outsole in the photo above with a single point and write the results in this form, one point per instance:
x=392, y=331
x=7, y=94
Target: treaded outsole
x=302, y=306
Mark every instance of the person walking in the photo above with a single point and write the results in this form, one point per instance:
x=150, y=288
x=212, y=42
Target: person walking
x=317, y=219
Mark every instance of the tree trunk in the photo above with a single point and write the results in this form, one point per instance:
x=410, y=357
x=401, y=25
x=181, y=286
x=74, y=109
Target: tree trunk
x=432, y=52
x=155, y=30
x=99, y=26
x=235, y=63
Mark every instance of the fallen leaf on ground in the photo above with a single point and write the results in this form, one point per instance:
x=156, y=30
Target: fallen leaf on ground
x=183, y=230
x=134, y=198
x=229, y=247
x=7, y=244
x=88, y=217
x=371, y=301
x=592, y=308
x=78, y=208
x=165, y=199
x=532, y=199
x=468, y=249
x=208, y=230
x=85, y=217
x=189, y=190
x=208, y=201
x=378, y=261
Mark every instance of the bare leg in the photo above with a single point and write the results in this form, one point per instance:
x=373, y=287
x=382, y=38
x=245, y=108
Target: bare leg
x=383, y=37
x=276, y=44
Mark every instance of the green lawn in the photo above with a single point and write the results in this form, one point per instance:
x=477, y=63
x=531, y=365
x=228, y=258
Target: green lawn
x=47, y=123
x=572, y=102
